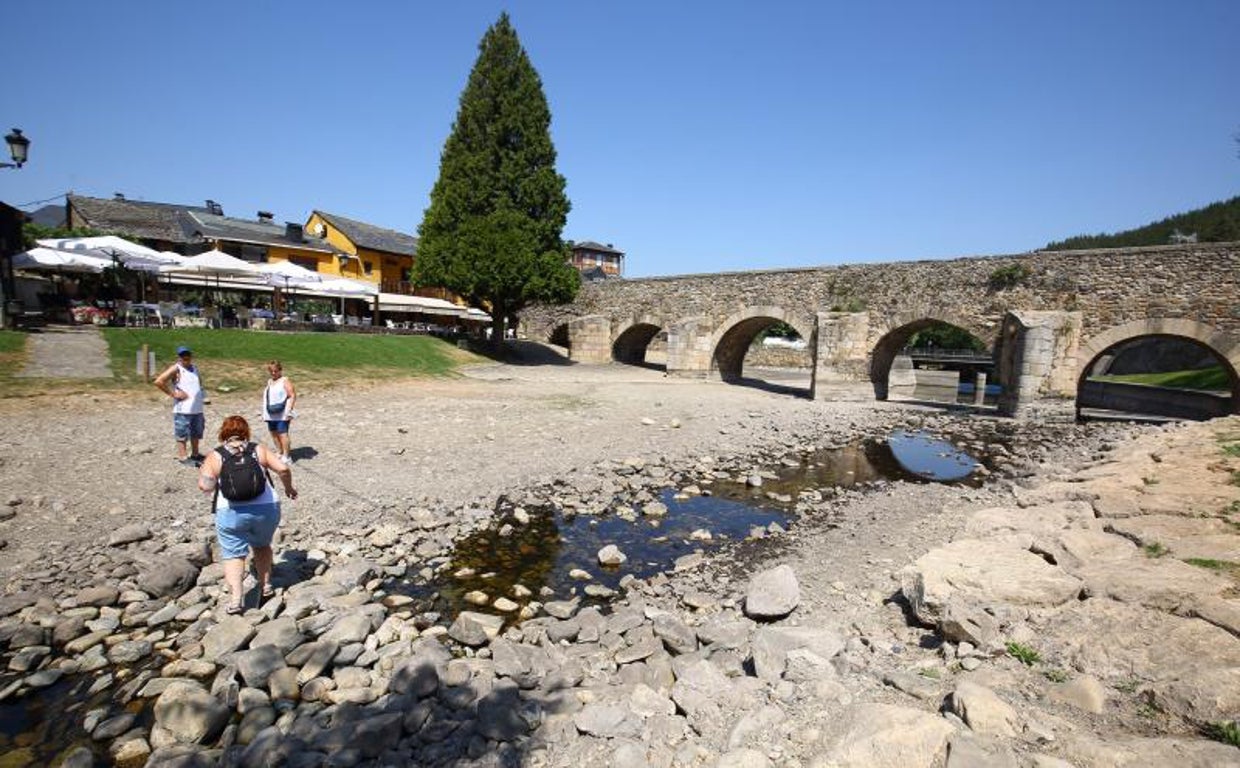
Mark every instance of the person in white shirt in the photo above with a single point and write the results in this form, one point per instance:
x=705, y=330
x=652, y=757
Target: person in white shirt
x=183, y=383
x=279, y=396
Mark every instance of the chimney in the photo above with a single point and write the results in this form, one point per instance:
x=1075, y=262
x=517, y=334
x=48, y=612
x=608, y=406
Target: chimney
x=265, y=216
x=118, y=196
x=215, y=208
x=292, y=231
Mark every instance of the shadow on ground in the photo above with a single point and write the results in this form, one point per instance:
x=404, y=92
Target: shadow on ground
x=522, y=353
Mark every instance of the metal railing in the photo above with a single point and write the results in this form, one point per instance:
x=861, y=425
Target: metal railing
x=947, y=355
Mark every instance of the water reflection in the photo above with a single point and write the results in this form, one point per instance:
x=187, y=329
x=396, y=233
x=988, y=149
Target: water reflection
x=504, y=558
x=930, y=458
x=541, y=553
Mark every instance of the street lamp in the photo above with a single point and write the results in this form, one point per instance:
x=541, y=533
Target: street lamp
x=19, y=148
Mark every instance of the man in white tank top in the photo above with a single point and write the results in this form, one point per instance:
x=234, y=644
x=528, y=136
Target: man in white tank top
x=183, y=384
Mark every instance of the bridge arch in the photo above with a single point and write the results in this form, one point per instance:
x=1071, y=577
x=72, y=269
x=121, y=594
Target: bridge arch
x=1224, y=347
x=901, y=327
x=731, y=339
x=559, y=336
x=633, y=338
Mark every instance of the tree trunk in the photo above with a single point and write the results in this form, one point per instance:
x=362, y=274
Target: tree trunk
x=497, y=328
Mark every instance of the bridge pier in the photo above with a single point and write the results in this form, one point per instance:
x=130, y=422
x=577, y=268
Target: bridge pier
x=590, y=339
x=841, y=354
x=689, y=348
x=1037, y=360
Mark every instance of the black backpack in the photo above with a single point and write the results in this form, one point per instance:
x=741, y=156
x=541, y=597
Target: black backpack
x=241, y=476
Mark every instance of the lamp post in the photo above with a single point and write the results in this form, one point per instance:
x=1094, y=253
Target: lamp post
x=19, y=149
x=10, y=230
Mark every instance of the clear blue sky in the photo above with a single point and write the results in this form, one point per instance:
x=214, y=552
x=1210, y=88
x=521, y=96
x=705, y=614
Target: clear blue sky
x=695, y=136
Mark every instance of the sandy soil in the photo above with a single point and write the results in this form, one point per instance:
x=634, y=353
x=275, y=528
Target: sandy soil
x=77, y=468
x=84, y=465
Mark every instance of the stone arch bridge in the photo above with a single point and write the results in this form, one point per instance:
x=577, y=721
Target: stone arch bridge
x=1046, y=316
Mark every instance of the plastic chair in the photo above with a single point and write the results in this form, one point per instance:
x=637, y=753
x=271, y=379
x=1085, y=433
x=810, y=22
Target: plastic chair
x=167, y=313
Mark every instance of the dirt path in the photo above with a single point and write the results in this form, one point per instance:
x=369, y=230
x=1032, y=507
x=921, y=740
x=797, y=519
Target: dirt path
x=67, y=352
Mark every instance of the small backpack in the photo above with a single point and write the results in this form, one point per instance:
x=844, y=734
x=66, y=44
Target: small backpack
x=241, y=476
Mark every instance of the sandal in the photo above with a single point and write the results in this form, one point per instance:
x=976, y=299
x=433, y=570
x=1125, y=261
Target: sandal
x=269, y=591
x=233, y=610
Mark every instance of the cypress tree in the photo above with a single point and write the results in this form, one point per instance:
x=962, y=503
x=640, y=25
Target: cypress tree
x=492, y=231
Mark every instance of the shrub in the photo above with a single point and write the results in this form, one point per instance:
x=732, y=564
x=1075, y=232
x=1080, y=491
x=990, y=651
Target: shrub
x=1023, y=654
x=1009, y=276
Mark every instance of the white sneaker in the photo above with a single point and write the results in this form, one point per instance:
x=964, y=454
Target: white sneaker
x=284, y=457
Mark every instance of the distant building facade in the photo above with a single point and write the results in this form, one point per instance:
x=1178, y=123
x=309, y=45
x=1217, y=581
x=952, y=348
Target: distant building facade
x=368, y=252
x=597, y=261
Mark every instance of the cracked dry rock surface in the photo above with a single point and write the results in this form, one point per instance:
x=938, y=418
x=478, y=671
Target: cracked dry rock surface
x=1076, y=610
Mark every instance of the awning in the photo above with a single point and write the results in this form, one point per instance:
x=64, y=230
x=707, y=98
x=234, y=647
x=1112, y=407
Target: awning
x=396, y=302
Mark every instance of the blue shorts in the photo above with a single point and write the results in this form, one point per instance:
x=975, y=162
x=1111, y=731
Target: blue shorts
x=277, y=427
x=250, y=526
x=188, y=426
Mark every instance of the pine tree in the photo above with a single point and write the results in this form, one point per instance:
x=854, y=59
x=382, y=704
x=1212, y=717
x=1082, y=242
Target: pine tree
x=492, y=231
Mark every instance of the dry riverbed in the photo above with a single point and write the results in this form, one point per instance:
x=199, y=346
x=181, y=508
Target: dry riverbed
x=1078, y=607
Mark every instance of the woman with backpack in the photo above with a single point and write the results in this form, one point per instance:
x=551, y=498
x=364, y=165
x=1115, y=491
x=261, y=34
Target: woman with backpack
x=247, y=509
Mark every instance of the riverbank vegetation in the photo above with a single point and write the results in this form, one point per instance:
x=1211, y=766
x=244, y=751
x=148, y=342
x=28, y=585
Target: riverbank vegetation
x=1213, y=379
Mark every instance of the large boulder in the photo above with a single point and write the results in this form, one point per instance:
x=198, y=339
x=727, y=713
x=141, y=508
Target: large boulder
x=983, y=573
x=772, y=594
x=229, y=635
x=167, y=577
x=888, y=736
x=771, y=646
x=474, y=629
x=190, y=714
x=983, y=710
x=419, y=674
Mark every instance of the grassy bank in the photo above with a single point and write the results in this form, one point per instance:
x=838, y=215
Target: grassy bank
x=1202, y=378
x=12, y=356
x=235, y=359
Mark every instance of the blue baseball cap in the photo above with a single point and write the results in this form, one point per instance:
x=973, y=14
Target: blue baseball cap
x=184, y=351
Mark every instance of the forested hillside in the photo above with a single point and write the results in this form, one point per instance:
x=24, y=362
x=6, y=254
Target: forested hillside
x=1216, y=223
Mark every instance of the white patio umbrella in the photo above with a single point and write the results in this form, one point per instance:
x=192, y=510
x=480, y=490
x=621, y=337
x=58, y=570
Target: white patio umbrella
x=286, y=270
x=283, y=273
x=215, y=263
x=342, y=287
x=60, y=261
x=131, y=255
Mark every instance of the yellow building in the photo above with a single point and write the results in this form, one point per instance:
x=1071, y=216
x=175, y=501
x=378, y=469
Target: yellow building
x=365, y=251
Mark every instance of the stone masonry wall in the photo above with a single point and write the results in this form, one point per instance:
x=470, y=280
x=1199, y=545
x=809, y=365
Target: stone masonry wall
x=1108, y=288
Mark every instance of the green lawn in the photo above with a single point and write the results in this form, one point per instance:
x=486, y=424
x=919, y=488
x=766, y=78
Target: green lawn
x=12, y=355
x=1202, y=378
x=11, y=342
x=235, y=359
